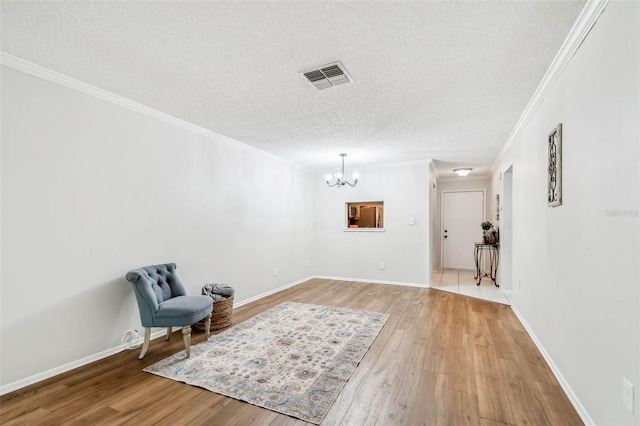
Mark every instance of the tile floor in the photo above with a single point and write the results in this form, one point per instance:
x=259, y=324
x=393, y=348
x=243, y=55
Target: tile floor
x=462, y=282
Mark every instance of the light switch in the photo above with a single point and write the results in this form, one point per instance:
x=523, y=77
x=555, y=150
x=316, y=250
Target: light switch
x=412, y=221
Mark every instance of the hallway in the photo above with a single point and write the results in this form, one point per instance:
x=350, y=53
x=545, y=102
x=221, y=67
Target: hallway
x=461, y=281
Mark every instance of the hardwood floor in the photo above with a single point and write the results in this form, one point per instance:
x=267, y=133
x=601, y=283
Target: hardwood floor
x=441, y=359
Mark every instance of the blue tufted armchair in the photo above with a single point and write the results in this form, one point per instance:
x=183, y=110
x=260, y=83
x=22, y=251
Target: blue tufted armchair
x=163, y=302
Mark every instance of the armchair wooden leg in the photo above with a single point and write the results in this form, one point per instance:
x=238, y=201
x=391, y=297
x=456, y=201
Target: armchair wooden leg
x=145, y=345
x=169, y=331
x=186, y=336
x=207, y=325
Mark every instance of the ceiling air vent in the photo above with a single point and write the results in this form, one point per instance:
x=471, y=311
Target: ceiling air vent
x=328, y=76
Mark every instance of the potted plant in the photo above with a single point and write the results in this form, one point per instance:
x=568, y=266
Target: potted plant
x=489, y=237
x=486, y=225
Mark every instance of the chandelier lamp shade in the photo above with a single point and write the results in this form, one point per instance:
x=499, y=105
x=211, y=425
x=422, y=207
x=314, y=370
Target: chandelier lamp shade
x=337, y=178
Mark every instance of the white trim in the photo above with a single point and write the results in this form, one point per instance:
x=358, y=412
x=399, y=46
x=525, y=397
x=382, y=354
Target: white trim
x=396, y=164
x=295, y=283
x=270, y=292
x=10, y=387
x=384, y=166
x=361, y=280
x=18, y=384
x=30, y=68
x=587, y=19
x=87, y=89
x=582, y=412
x=363, y=229
x=436, y=175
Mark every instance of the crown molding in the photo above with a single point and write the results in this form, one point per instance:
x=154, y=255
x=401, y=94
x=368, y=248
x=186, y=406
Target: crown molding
x=581, y=28
x=386, y=165
x=433, y=167
x=30, y=68
x=397, y=164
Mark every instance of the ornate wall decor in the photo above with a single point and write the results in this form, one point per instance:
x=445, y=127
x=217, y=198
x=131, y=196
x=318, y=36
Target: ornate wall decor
x=554, y=181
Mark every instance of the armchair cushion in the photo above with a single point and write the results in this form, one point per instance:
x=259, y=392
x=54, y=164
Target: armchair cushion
x=183, y=310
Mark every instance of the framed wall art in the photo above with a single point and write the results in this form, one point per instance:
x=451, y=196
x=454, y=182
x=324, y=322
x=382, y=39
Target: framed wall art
x=554, y=171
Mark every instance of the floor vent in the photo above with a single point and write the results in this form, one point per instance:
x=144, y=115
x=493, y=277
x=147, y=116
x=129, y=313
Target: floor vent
x=328, y=76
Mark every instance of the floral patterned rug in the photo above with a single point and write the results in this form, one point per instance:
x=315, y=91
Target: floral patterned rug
x=294, y=358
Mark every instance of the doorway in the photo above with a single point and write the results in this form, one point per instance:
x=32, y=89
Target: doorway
x=462, y=214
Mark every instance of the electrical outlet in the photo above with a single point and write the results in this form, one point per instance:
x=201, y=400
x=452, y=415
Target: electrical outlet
x=275, y=272
x=412, y=221
x=627, y=394
x=381, y=265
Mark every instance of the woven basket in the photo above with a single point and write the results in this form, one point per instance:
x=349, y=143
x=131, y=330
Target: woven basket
x=221, y=317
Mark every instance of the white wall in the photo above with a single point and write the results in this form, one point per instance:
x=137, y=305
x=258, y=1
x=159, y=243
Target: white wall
x=578, y=264
x=505, y=270
x=404, y=248
x=434, y=231
x=91, y=190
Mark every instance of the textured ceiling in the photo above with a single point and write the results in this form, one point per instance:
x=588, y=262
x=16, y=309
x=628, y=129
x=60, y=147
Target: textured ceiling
x=432, y=80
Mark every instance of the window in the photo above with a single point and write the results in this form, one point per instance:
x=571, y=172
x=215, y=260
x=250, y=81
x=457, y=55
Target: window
x=365, y=215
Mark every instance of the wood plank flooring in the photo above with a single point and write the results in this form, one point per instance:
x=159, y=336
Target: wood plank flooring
x=441, y=359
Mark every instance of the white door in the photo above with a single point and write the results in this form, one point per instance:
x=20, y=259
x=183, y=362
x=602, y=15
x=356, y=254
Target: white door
x=462, y=214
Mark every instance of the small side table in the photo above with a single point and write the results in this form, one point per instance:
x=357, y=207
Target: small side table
x=494, y=255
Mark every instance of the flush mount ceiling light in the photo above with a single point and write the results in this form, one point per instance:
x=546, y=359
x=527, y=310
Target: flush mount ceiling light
x=462, y=172
x=338, y=175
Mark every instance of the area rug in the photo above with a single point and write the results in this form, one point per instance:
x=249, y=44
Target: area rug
x=294, y=358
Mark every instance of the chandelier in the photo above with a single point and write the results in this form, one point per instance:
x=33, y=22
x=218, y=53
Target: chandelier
x=338, y=175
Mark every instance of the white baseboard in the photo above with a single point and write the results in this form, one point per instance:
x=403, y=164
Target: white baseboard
x=270, y=292
x=360, y=280
x=10, y=387
x=19, y=384
x=582, y=412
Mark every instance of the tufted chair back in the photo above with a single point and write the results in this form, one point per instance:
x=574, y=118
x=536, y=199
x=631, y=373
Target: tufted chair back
x=153, y=285
x=163, y=302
